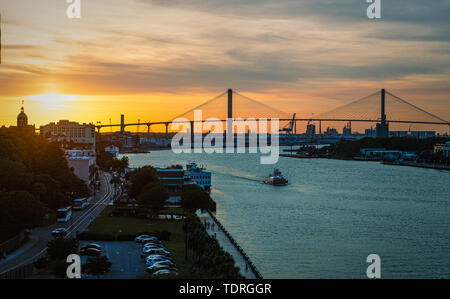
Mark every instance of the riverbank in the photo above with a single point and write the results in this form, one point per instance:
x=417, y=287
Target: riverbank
x=421, y=165
x=246, y=267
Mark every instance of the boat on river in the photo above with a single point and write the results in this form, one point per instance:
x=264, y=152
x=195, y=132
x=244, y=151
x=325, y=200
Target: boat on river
x=276, y=179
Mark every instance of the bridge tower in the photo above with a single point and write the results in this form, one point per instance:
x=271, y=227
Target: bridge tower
x=382, y=129
x=230, y=103
x=230, y=112
x=122, y=123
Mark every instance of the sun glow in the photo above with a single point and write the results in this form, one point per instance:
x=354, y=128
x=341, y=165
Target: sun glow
x=52, y=98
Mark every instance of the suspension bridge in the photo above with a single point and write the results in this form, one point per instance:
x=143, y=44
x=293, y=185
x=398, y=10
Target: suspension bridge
x=381, y=108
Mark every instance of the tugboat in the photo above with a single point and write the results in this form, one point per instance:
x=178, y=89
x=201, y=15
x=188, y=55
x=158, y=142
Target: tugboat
x=276, y=179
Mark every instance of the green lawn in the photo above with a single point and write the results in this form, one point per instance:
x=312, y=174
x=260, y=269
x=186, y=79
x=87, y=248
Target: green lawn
x=106, y=224
x=174, y=210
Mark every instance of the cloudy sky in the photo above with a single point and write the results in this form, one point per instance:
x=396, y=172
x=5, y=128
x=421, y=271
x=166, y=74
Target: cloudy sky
x=153, y=59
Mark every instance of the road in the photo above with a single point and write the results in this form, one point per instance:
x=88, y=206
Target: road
x=39, y=237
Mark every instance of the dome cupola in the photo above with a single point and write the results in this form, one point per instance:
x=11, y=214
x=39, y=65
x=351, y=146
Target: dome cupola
x=22, y=118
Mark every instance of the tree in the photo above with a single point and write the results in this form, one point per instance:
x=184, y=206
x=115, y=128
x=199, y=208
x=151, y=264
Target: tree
x=115, y=180
x=60, y=248
x=98, y=265
x=19, y=210
x=103, y=158
x=38, y=189
x=9, y=171
x=194, y=197
x=140, y=178
x=153, y=196
x=59, y=269
x=27, y=159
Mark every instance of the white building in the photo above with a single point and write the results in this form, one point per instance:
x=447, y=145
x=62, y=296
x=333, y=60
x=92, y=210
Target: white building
x=69, y=131
x=444, y=148
x=199, y=176
x=83, y=164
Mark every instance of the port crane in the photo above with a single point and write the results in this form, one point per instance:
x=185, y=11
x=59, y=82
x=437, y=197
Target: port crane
x=290, y=127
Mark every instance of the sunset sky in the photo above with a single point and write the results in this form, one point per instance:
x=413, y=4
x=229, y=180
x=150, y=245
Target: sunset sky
x=153, y=59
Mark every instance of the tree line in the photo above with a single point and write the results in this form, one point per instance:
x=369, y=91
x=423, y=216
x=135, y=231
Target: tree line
x=35, y=179
x=346, y=149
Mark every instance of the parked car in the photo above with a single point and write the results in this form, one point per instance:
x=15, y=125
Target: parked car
x=139, y=238
x=153, y=242
x=59, y=233
x=152, y=261
x=149, y=245
x=145, y=239
x=157, y=266
x=92, y=245
x=151, y=251
x=164, y=273
x=149, y=239
x=168, y=259
x=166, y=263
x=90, y=251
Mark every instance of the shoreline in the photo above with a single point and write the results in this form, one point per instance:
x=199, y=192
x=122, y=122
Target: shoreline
x=237, y=247
x=411, y=164
x=419, y=165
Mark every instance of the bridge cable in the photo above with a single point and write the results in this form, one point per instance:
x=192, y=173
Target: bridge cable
x=260, y=103
x=199, y=106
x=346, y=105
x=417, y=108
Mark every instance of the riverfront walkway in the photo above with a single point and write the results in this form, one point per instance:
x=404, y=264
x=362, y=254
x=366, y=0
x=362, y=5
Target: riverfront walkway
x=226, y=244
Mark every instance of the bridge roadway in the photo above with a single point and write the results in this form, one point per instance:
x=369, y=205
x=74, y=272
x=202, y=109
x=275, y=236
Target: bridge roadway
x=166, y=123
x=39, y=237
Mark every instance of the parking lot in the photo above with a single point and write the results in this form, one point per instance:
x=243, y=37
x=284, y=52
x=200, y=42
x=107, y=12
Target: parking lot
x=124, y=256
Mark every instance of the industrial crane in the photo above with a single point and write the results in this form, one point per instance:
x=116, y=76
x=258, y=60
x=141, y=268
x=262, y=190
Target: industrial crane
x=290, y=127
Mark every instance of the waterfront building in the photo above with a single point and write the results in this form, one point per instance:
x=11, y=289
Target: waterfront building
x=370, y=133
x=330, y=132
x=382, y=130
x=129, y=140
x=172, y=179
x=83, y=164
x=444, y=149
x=160, y=141
x=414, y=134
x=381, y=153
x=346, y=131
x=199, y=175
x=69, y=132
x=310, y=130
x=114, y=150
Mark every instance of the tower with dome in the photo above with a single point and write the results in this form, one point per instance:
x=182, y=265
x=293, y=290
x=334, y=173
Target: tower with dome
x=22, y=121
x=22, y=118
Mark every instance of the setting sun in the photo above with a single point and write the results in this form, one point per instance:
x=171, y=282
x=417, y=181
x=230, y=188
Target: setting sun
x=52, y=98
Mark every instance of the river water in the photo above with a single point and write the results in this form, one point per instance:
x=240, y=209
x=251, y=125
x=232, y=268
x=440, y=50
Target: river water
x=331, y=216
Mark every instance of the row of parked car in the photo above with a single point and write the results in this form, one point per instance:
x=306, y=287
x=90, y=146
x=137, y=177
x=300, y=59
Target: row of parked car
x=92, y=249
x=157, y=258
